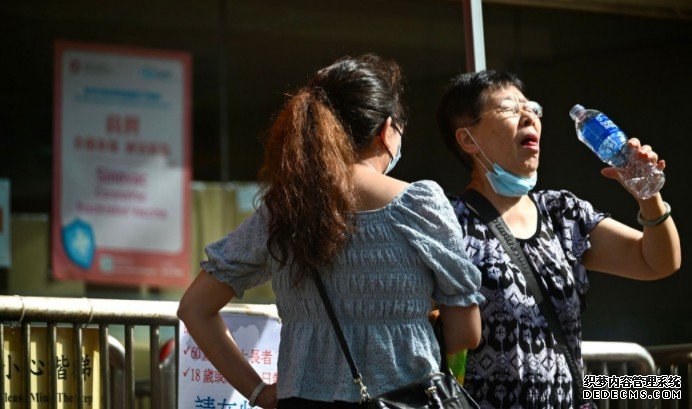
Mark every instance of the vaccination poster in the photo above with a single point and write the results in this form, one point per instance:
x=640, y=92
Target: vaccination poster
x=121, y=178
x=200, y=385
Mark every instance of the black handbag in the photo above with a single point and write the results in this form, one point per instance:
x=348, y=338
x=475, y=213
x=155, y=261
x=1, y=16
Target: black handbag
x=492, y=218
x=436, y=391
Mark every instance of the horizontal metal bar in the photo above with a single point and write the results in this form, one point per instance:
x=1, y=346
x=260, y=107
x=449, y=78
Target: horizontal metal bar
x=104, y=311
x=671, y=354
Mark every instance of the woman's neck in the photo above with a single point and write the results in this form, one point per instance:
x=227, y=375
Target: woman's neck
x=480, y=183
x=519, y=213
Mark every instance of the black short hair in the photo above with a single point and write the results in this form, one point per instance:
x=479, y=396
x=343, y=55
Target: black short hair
x=463, y=100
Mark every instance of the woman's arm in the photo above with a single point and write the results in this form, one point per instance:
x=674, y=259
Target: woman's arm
x=199, y=310
x=621, y=250
x=462, y=327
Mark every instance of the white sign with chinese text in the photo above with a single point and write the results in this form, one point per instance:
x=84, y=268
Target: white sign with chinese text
x=5, y=250
x=201, y=386
x=122, y=165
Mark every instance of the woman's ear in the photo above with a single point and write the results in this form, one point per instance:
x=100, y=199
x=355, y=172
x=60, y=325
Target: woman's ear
x=465, y=141
x=388, y=136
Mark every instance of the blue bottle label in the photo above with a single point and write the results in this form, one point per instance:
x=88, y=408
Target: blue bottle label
x=603, y=136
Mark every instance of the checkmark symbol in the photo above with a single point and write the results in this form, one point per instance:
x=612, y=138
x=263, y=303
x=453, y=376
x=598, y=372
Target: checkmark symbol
x=186, y=350
x=186, y=371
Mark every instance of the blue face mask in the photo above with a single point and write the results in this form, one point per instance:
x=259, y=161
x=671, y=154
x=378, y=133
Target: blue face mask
x=505, y=183
x=394, y=160
x=508, y=184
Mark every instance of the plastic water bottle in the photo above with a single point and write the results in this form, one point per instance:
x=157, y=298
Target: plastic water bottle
x=606, y=140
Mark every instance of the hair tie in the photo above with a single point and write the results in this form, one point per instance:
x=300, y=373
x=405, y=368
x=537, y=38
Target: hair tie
x=319, y=93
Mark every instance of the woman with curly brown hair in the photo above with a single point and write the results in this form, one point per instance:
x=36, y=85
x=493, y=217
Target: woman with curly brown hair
x=384, y=248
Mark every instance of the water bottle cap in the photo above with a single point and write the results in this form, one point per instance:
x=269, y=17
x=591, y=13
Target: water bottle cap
x=576, y=111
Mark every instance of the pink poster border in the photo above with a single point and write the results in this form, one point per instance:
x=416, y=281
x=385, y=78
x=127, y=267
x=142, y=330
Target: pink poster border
x=62, y=267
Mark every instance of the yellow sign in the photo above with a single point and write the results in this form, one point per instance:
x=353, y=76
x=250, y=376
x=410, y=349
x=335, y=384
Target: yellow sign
x=66, y=366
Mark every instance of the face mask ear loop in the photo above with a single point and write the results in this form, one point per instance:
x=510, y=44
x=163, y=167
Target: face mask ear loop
x=384, y=144
x=481, y=151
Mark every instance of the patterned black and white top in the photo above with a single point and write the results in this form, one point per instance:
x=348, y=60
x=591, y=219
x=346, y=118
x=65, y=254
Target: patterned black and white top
x=515, y=365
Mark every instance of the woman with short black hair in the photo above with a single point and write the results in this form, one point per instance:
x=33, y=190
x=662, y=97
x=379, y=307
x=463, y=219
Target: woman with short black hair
x=495, y=131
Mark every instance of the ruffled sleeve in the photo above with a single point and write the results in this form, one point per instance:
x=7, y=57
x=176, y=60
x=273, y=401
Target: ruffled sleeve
x=574, y=219
x=423, y=215
x=240, y=258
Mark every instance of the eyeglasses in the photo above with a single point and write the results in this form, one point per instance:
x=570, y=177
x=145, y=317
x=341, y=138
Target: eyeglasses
x=511, y=108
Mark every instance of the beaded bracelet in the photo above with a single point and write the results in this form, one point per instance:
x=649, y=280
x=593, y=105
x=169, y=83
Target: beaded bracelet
x=655, y=222
x=258, y=389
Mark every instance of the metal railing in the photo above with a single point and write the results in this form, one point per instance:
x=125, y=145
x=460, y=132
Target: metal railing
x=675, y=360
x=115, y=362
x=25, y=311
x=618, y=358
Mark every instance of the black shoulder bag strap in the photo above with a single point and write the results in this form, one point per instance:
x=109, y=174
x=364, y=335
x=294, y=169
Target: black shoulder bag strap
x=357, y=378
x=492, y=218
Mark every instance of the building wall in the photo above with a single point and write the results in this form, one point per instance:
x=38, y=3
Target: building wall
x=636, y=70
x=633, y=68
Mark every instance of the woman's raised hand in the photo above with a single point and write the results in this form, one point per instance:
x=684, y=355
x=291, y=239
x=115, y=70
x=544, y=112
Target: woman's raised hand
x=643, y=151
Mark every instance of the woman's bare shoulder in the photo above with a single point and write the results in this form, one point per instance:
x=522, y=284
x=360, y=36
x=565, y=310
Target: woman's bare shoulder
x=374, y=191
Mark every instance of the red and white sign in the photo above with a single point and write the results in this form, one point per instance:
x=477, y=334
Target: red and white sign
x=121, y=202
